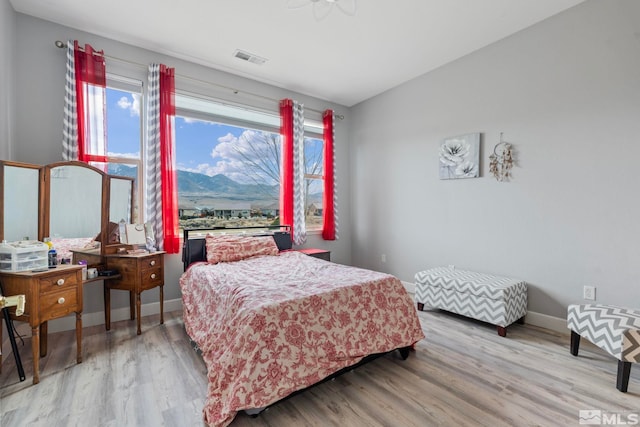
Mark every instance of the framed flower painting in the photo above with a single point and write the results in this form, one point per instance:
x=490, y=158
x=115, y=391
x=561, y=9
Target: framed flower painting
x=460, y=157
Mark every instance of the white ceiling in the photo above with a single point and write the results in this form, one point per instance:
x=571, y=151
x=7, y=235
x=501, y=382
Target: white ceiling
x=341, y=59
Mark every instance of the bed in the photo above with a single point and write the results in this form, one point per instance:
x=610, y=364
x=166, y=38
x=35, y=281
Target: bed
x=270, y=321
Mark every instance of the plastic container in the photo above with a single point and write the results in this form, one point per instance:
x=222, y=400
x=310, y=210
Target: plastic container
x=52, y=258
x=83, y=263
x=23, y=255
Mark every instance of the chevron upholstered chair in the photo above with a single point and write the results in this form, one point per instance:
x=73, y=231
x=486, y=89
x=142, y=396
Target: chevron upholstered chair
x=616, y=330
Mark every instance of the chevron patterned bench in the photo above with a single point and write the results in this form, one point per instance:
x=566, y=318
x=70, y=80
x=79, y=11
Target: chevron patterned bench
x=492, y=299
x=616, y=330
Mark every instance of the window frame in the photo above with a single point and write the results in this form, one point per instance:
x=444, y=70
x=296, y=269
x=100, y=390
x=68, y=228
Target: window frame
x=270, y=123
x=131, y=85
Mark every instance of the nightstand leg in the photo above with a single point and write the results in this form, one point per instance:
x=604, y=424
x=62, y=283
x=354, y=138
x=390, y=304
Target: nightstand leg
x=79, y=337
x=161, y=304
x=138, y=310
x=107, y=307
x=132, y=304
x=44, y=332
x=35, y=347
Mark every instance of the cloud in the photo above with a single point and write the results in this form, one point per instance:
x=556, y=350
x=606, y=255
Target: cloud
x=133, y=105
x=246, y=159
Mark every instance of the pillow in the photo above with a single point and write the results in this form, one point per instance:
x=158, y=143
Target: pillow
x=233, y=247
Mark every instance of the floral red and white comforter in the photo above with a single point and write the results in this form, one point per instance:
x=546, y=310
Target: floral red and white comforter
x=271, y=325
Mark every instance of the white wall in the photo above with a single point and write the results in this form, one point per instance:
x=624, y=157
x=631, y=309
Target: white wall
x=566, y=94
x=39, y=77
x=7, y=28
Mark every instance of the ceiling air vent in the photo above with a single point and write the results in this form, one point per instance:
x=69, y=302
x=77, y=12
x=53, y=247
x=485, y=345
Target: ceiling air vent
x=246, y=56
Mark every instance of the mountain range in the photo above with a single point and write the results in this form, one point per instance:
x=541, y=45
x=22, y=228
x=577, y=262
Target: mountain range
x=217, y=186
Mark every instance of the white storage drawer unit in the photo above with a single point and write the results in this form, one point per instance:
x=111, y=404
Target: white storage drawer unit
x=23, y=255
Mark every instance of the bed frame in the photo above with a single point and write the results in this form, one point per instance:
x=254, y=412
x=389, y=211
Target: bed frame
x=194, y=250
x=193, y=246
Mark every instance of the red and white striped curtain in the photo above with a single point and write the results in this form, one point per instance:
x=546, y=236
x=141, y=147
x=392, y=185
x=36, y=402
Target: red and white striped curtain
x=330, y=197
x=84, y=135
x=292, y=201
x=161, y=183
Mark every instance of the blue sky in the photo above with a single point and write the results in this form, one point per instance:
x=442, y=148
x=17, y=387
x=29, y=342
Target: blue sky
x=202, y=147
x=123, y=123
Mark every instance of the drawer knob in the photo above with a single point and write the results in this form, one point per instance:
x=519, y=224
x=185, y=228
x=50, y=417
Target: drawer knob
x=60, y=282
x=61, y=300
x=153, y=262
x=153, y=276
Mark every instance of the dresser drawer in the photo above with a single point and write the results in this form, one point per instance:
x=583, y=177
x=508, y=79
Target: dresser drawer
x=150, y=262
x=58, y=304
x=58, y=282
x=150, y=278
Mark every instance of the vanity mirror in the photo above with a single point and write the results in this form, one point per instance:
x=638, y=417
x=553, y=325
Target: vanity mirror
x=72, y=209
x=120, y=199
x=75, y=200
x=70, y=202
x=19, y=196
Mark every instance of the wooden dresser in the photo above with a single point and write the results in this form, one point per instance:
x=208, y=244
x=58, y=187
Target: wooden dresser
x=50, y=294
x=138, y=273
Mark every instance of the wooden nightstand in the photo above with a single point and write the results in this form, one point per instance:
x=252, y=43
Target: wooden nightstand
x=317, y=253
x=138, y=273
x=50, y=294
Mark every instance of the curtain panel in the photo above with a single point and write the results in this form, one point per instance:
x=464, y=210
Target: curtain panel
x=84, y=130
x=161, y=199
x=292, y=197
x=330, y=197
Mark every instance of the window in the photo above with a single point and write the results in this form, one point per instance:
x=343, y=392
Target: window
x=228, y=160
x=124, y=132
x=314, y=182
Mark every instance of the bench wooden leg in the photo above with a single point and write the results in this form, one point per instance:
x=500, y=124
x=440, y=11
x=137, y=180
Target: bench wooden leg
x=502, y=331
x=624, y=369
x=575, y=342
x=420, y=306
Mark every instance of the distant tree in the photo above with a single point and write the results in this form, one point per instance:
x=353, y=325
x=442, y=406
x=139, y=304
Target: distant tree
x=312, y=166
x=260, y=154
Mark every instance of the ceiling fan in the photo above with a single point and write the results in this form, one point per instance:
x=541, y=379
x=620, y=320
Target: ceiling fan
x=322, y=8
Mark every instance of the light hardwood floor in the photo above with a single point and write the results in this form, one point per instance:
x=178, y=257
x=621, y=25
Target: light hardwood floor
x=462, y=374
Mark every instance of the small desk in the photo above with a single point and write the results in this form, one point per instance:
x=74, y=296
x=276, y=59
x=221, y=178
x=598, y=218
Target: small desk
x=138, y=273
x=316, y=253
x=50, y=294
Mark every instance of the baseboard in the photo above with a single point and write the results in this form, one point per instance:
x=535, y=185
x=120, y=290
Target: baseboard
x=410, y=287
x=97, y=318
x=556, y=324
x=545, y=321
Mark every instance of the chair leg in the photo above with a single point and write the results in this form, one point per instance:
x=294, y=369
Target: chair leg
x=624, y=369
x=575, y=342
